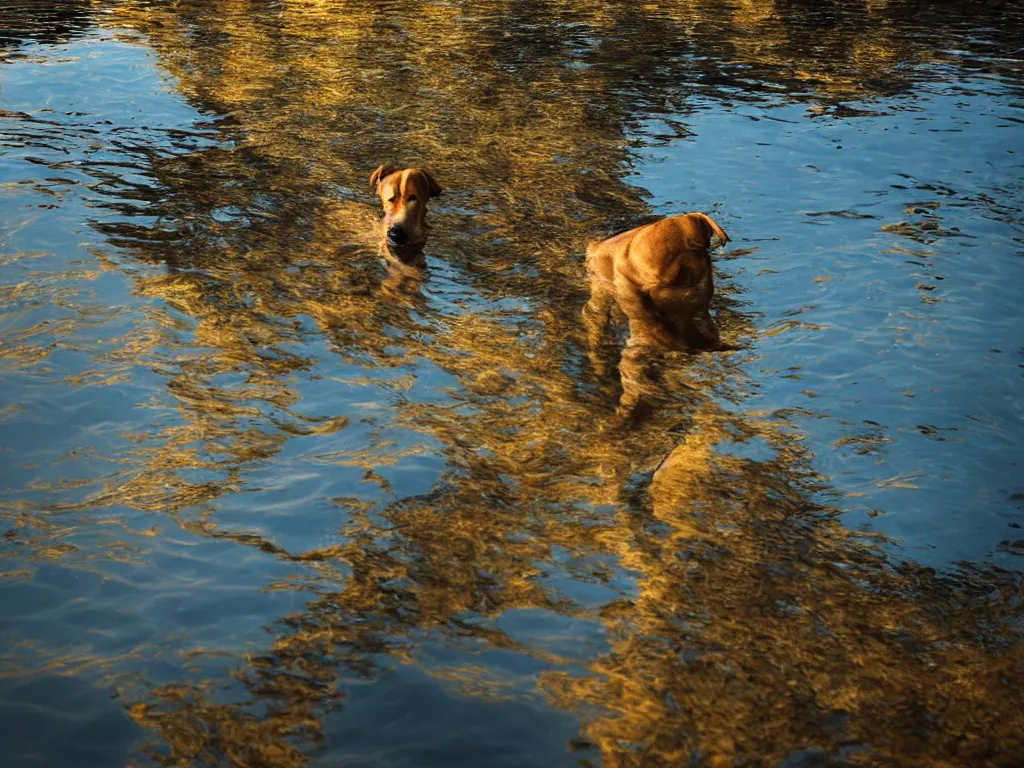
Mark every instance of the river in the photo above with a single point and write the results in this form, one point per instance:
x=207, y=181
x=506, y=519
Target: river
x=260, y=505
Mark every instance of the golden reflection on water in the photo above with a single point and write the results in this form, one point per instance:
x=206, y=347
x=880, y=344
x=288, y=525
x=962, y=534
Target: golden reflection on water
x=759, y=624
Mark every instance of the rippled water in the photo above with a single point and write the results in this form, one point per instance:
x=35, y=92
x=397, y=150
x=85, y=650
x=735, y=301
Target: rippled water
x=263, y=505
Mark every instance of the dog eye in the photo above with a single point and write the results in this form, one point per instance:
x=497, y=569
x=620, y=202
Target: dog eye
x=392, y=198
x=412, y=198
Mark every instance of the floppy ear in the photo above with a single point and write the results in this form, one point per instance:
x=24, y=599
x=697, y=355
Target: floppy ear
x=713, y=229
x=432, y=183
x=382, y=172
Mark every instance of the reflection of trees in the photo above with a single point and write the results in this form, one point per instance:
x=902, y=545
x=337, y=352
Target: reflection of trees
x=763, y=627
x=760, y=623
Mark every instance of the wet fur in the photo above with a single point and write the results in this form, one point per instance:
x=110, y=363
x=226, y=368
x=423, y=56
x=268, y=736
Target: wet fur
x=660, y=275
x=404, y=194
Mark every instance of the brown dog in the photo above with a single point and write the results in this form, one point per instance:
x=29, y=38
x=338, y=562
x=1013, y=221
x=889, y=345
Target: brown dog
x=404, y=193
x=661, y=276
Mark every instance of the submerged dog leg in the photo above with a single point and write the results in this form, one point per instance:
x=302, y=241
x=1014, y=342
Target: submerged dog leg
x=645, y=326
x=596, y=317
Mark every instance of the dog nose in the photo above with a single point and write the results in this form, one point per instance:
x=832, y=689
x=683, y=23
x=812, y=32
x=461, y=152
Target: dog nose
x=396, y=235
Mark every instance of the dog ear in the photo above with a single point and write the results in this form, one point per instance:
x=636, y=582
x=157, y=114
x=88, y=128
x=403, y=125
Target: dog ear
x=712, y=229
x=432, y=183
x=383, y=171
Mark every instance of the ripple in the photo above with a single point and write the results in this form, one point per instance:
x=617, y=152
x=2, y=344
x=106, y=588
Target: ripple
x=267, y=501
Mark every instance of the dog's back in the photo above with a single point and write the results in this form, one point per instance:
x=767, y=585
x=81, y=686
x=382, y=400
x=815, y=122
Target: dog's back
x=602, y=254
x=661, y=275
x=659, y=253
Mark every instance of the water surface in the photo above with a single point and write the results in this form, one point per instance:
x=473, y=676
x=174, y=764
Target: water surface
x=264, y=505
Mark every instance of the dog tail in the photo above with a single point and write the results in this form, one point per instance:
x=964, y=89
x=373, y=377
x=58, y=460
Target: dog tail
x=713, y=228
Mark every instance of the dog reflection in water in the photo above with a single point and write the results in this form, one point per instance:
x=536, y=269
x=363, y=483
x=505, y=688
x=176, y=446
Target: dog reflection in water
x=660, y=276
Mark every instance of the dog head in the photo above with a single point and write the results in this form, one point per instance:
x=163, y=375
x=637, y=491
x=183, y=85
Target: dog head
x=404, y=193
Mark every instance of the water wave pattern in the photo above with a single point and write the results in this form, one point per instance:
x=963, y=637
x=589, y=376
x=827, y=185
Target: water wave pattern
x=265, y=502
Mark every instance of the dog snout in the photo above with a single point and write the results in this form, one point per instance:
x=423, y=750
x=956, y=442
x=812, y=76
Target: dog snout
x=397, y=235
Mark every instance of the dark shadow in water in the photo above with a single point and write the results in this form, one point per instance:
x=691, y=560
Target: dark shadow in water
x=49, y=22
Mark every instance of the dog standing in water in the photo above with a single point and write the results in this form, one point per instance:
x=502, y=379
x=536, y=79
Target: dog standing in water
x=662, y=278
x=404, y=193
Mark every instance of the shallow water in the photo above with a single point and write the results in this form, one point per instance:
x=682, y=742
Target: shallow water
x=264, y=505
